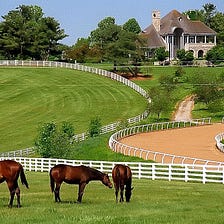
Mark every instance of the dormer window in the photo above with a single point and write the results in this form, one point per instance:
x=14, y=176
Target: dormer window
x=180, y=18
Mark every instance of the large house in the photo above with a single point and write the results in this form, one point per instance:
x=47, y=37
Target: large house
x=175, y=31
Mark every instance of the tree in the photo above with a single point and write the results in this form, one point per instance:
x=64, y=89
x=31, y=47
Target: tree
x=217, y=24
x=25, y=33
x=160, y=101
x=216, y=54
x=53, y=141
x=118, y=45
x=206, y=88
x=209, y=12
x=132, y=26
x=106, y=32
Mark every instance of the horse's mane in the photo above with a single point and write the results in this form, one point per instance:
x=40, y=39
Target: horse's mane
x=94, y=171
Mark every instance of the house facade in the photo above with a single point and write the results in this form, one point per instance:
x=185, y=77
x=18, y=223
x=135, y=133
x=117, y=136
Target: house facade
x=175, y=31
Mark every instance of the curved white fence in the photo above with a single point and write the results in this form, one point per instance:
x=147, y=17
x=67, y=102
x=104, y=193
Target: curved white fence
x=219, y=144
x=163, y=158
x=154, y=171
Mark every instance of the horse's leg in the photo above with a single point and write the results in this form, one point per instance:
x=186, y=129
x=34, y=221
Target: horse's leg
x=57, y=192
x=17, y=191
x=116, y=191
x=12, y=193
x=122, y=193
x=81, y=191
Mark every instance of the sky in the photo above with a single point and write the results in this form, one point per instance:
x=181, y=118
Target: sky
x=79, y=17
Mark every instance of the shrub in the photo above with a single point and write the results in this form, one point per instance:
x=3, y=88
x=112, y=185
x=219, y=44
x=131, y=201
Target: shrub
x=94, y=127
x=54, y=142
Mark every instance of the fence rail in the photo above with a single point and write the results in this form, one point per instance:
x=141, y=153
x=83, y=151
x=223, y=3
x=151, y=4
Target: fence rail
x=163, y=158
x=18, y=153
x=154, y=171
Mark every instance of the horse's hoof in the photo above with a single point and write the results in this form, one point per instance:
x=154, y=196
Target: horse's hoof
x=19, y=206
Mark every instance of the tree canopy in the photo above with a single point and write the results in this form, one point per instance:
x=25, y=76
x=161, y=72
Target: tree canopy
x=26, y=33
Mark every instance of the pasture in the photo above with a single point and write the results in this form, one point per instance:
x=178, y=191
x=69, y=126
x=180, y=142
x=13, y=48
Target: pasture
x=31, y=96
x=151, y=202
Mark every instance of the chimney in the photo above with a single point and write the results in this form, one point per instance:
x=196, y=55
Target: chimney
x=156, y=19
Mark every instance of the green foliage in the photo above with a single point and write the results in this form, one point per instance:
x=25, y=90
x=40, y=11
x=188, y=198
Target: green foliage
x=186, y=57
x=67, y=128
x=119, y=45
x=26, y=34
x=132, y=26
x=54, y=142
x=206, y=88
x=161, y=101
x=161, y=54
x=216, y=54
x=94, y=127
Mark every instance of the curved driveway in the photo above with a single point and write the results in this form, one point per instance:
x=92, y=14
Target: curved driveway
x=197, y=142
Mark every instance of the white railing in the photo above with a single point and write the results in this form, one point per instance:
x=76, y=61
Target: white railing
x=160, y=157
x=218, y=139
x=18, y=153
x=154, y=171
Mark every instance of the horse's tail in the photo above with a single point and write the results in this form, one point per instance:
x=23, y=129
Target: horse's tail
x=23, y=178
x=51, y=181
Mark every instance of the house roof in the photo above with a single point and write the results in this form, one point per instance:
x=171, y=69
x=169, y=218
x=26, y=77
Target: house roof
x=153, y=39
x=175, y=19
x=170, y=23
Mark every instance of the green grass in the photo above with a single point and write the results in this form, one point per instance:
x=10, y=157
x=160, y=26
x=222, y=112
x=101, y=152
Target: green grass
x=31, y=96
x=97, y=149
x=183, y=89
x=151, y=202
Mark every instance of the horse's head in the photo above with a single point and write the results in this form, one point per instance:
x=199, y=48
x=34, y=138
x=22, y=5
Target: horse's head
x=106, y=181
x=128, y=192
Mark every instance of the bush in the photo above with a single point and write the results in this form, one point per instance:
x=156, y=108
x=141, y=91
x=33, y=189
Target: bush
x=94, y=127
x=54, y=142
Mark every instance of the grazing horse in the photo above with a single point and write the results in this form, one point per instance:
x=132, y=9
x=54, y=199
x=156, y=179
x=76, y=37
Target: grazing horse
x=9, y=172
x=80, y=175
x=122, y=176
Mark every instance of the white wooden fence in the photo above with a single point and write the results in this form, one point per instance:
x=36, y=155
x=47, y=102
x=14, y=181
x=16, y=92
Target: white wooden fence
x=153, y=171
x=218, y=139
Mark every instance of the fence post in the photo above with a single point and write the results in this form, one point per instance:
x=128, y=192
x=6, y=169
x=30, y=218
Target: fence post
x=204, y=175
x=139, y=170
x=186, y=173
x=153, y=172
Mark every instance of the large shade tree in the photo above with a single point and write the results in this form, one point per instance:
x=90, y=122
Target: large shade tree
x=26, y=33
x=119, y=44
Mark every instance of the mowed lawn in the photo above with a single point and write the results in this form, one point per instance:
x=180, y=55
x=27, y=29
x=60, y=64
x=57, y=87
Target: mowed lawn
x=30, y=97
x=151, y=202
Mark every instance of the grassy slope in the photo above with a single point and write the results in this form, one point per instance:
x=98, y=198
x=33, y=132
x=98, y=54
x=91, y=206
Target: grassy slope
x=32, y=96
x=151, y=202
x=184, y=88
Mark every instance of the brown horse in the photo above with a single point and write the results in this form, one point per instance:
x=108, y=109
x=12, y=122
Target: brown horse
x=9, y=172
x=80, y=175
x=122, y=176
